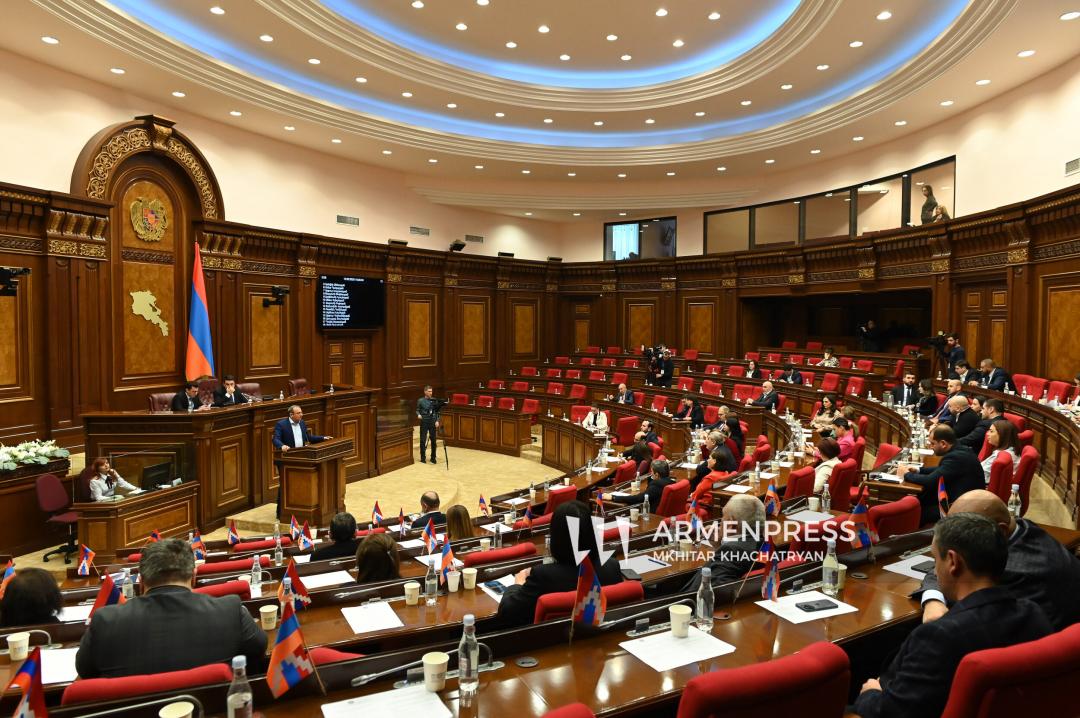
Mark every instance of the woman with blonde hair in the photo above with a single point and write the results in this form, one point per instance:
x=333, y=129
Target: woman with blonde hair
x=459, y=524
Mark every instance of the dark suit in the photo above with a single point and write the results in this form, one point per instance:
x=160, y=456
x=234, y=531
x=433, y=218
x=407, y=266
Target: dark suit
x=1039, y=569
x=223, y=399
x=732, y=561
x=169, y=629
x=627, y=398
x=768, y=401
x=438, y=518
x=918, y=680
x=337, y=549
x=970, y=376
x=753, y=374
x=792, y=377
x=998, y=380
x=665, y=371
x=953, y=356
x=182, y=402
x=962, y=472
x=694, y=413
x=654, y=491
x=974, y=438
x=283, y=435
x=912, y=397
x=518, y=604
x=964, y=422
x=928, y=405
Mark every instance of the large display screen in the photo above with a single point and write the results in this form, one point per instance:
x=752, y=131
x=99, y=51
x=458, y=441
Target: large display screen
x=350, y=302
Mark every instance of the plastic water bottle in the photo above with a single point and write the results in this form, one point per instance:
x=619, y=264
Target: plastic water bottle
x=286, y=592
x=826, y=498
x=238, y=700
x=277, y=532
x=331, y=387
x=498, y=542
x=431, y=584
x=278, y=555
x=127, y=587
x=468, y=660
x=281, y=395
x=830, y=570
x=256, y=570
x=703, y=614
x=645, y=507
x=1014, y=501
x=547, y=549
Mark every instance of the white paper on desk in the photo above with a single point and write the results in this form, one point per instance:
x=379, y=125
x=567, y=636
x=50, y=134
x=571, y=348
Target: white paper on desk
x=809, y=517
x=891, y=478
x=768, y=476
x=136, y=492
x=322, y=580
x=737, y=488
x=70, y=614
x=435, y=558
x=619, y=494
x=516, y=501
x=497, y=527
x=615, y=459
x=396, y=528
x=663, y=651
x=787, y=464
x=58, y=665
x=413, y=701
x=688, y=465
x=904, y=568
x=301, y=558
x=643, y=564
x=369, y=617
x=411, y=543
x=507, y=580
x=785, y=607
x=619, y=521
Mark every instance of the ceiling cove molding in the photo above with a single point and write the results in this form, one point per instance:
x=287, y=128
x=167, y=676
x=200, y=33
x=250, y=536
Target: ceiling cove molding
x=580, y=202
x=976, y=23
x=342, y=35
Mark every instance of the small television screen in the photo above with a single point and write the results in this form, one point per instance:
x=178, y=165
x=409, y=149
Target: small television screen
x=350, y=302
x=644, y=239
x=155, y=475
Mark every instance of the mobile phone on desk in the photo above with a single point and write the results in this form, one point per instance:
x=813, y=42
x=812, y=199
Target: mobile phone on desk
x=495, y=586
x=924, y=566
x=819, y=605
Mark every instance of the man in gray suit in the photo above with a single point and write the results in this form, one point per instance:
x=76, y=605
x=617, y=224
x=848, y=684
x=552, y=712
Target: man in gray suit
x=1039, y=568
x=168, y=628
x=743, y=526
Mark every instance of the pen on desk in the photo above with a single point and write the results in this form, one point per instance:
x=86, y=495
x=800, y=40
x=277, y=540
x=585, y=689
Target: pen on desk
x=657, y=562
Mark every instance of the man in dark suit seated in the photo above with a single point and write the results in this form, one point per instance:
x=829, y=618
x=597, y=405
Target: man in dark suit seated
x=791, y=374
x=965, y=374
x=942, y=416
x=661, y=479
x=292, y=433
x=343, y=535
x=959, y=467
x=906, y=393
x=992, y=410
x=963, y=417
x=1039, y=568
x=970, y=556
x=768, y=399
x=742, y=524
x=994, y=377
x=429, y=507
x=187, y=399
x=645, y=433
x=169, y=627
x=227, y=394
x=690, y=410
x=625, y=396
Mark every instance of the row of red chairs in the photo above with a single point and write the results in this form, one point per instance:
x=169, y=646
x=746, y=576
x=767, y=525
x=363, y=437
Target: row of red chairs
x=688, y=354
x=866, y=365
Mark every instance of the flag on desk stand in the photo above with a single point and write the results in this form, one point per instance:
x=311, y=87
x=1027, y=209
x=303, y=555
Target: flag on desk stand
x=154, y=537
x=107, y=595
x=9, y=573
x=197, y=545
x=692, y=517
x=234, y=538
x=446, y=564
x=770, y=583
x=589, y=602
x=86, y=561
x=289, y=660
x=200, y=352
x=942, y=497
x=301, y=599
x=294, y=528
x=484, y=507
x=600, y=502
x=864, y=536
x=528, y=517
x=304, y=540
x=28, y=680
x=401, y=522
x=772, y=500
x=376, y=514
x=430, y=541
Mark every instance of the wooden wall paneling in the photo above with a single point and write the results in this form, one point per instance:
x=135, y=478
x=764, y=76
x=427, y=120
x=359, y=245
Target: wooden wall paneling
x=1060, y=307
x=581, y=333
x=266, y=337
x=699, y=324
x=23, y=367
x=525, y=329
x=474, y=329
x=639, y=321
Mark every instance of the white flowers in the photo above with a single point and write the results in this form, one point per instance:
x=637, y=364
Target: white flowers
x=30, y=452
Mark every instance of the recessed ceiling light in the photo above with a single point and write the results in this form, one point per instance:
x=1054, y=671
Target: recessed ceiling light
x=714, y=16
x=433, y=161
x=564, y=57
x=823, y=67
x=621, y=175
x=678, y=43
x=548, y=120
x=361, y=79
x=451, y=105
x=699, y=113
x=661, y=12
x=980, y=83
x=571, y=174
x=1072, y=15
x=857, y=138
x=543, y=29
x=290, y=128
x=482, y=3
x=900, y=123
x=599, y=123
x=314, y=61
x=526, y=172
x=650, y=121
x=461, y=26
x=418, y=4
x=49, y=40
x=855, y=43
x=178, y=93
x=1025, y=53
x=336, y=140
x=266, y=38
x=388, y=152
x=478, y=167
x=770, y=162
x=236, y=113
x=946, y=103
x=626, y=58
x=884, y=15
x=577, y=214
x=500, y=114
x=721, y=169
x=746, y=103
x=670, y=174
x=815, y=151
x=528, y=214
x=612, y=38
x=117, y=70
x=217, y=10
x=622, y=214
x=406, y=94
x=786, y=86
x=511, y=44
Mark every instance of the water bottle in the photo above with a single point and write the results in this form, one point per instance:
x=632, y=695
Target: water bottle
x=281, y=395
x=1014, y=501
x=238, y=700
x=190, y=537
x=431, y=584
x=547, y=549
x=278, y=555
x=286, y=593
x=190, y=407
x=256, y=571
x=645, y=507
x=939, y=376
x=127, y=587
x=331, y=387
x=468, y=660
x=826, y=498
x=830, y=570
x=703, y=614
x=277, y=532
x=498, y=542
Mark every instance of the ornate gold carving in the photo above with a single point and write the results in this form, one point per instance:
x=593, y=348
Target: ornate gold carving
x=939, y=265
x=393, y=278
x=92, y=250
x=1018, y=256
x=729, y=283
x=202, y=182
x=866, y=273
x=148, y=219
x=607, y=287
x=451, y=281
x=234, y=265
x=795, y=279
x=667, y=284
x=62, y=246
x=114, y=151
x=306, y=270
x=552, y=287
x=8, y=194
x=211, y=262
x=503, y=285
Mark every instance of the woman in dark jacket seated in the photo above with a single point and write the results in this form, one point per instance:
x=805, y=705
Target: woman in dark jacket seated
x=31, y=598
x=752, y=371
x=928, y=403
x=518, y=604
x=736, y=435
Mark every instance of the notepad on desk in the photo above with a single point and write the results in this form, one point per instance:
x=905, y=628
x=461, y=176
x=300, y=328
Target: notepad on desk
x=786, y=607
x=809, y=517
x=664, y=652
x=435, y=558
x=58, y=665
x=322, y=580
x=737, y=488
x=412, y=700
x=368, y=617
x=643, y=564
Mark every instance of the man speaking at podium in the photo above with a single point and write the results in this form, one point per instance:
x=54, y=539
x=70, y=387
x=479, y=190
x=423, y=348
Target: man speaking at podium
x=292, y=433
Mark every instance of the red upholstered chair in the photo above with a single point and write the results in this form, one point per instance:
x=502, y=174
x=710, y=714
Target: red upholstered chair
x=297, y=387
x=762, y=453
x=830, y=382
x=588, y=361
x=577, y=391
x=321, y=655
x=597, y=376
x=161, y=401
x=573, y=373
x=53, y=499
x=690, y=354
x=1020, y=381
x=578, y=413
x=756, y=356
x=1018, y=421
x=788, y=345
x=761, y=440
x=1025, y=472
x=479, y=558
x=746, y=463
x=772, y=358
x=812, y=683
x=562, y=360
x=659, y=402
x=712, y=368
x=260, y=544
x=1026, y=437
x=814, y=346
x=537, y=521
x=551, y=606
x=986, y=449
x=608, y=362
x=573, y=710
x=863, y=423
x=614, y=350
x=639, y=399
x=800, y=483
x=229, y=588
x=519, y=386
x=618, y=377
x=846, y=362
x=742, y=392
x=496, y=384
x=631, y=364
x=361, y=533
x=552, y=373
x=808, y=377
x=844, y=476
x=112, y=689
x=712, y=388
x=866, y=365
x=625, y=472
x=556, y=387
x=712, y=413
x=885, y=454
x=811, y=537
x=655, y=449
x=1035, y=386
x=1001, y=476
x=625, y=429
x=895, y=518
x=485, y=401
x=528, y=371
x=907, y=349
x=1059, y=391
x=855, y=386
x=860, y=453
x=235, y=566
x=685, y=383
x=459, y=399
x=781, y=404
x=82, y=485
x=673, y=500
x=592, y=350
x=530, y=406
x=559, y=495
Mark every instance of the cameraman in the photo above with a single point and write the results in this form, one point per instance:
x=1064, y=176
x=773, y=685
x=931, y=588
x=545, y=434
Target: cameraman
x=952, y=352
x=427, y=409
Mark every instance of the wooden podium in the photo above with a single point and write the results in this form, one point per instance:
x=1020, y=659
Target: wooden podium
x=313, y=480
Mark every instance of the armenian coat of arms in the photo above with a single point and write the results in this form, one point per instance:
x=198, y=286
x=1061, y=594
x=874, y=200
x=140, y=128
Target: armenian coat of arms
x=149, y=219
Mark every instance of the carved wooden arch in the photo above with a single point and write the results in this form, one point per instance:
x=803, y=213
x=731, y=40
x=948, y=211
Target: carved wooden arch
x=146, y=133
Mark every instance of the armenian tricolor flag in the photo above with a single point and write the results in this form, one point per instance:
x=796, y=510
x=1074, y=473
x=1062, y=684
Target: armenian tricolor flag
x=483, y=506
x=86, y=560
x=107, y=595
x=942, y=497
x=294, y=528
x=528, y=517
x=863, y=535
x=28, y=680
x=600, y=501
x=446, y=564
x=770, y=584
x=154, y=537
x=589, y=604
x=289, y=661
x=197, y=544
x=200, y=352
x=376, y=514
x=772, y=500
x=401, y=522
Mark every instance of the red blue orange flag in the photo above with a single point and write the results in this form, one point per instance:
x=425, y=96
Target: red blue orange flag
x=108, y=595
x=692, y=516
x=589, y=603
x=770, y=584
x=289, y=660
x=234, y=538
x=299, y=593
x=483, y=506
x=528, y=517
x=9, y=573
x=863, y=535
x=304, y=540
x=200, y=352
x=86, y=560
x=430, y=541
x=772, y=501
x=942, y=497
x=376, y=514
x=401, y=522
x=446, y=564
x=294, y=528
x=154, y=537
x=600, y=501
x=28, y=680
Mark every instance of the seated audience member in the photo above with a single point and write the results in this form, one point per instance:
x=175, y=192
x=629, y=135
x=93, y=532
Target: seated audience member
x=742, y=523
x=227, y=394
x=829, y=451
x=752, y=371
x=906, y=393
x=640, y=454
x=661, y=478
x=721, y=418
x=595, y=421
x=377, y=559
x=187, y=399
x=31, y=598
x=976, y=404
x=106, y=481
x=928, y=405
x=849, y=412
x=1001, y=437
x=791, y=374
x=963, y=419
x=829, y=360
x=169, y=627
x=518, y=604
x=995, y=378
x=646, y=432
x=991, y=410
x=965, y=374
x=342, y=536
x=841, y=429
x=736, y=437
x=768, y=399
x=429, y=507
x=958, y=466
x=1039, y=567
x=459, y=524
x=821, y=422
x=719, y=463
x=691, y=410
x=944, y=415
x=625, y=396
x=970, y=556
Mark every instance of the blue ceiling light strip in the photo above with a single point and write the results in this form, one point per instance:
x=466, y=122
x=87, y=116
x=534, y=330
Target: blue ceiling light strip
x=770, y=17
x=180, y=29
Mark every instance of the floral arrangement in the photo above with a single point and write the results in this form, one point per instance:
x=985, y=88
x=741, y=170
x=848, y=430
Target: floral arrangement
x=30, y=452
